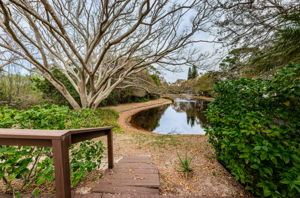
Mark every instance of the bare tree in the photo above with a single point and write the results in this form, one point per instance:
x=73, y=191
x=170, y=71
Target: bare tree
x=99, y=44
x=253, y=23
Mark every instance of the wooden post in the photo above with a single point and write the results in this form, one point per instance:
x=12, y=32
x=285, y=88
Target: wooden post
x=62, y=167
x=110, y=149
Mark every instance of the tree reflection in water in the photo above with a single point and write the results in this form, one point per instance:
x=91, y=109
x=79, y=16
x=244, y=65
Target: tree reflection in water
x=182, y=117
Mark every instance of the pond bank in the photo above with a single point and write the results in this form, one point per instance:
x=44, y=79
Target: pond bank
x=126, y=111
x=187, y=96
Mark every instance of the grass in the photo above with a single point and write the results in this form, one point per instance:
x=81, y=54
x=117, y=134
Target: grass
x=185, y=165
x=159, y=141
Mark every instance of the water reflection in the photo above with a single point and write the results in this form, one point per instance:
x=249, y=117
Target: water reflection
x=182, y=117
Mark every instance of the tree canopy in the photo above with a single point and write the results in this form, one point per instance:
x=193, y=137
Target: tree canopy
x=99, y=44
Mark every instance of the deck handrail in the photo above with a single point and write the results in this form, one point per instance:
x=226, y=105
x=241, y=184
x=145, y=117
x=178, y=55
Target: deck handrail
x=60, y=141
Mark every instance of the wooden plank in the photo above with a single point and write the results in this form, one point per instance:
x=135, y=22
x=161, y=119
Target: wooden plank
x=135, y=165
x=132, y=160
x=25, y=142
x=47, y=134
x=87, y=130
x=32, y=133
x=107, y=188
x=135, y=170
x=80, y=137
x=93, y=195
x=136, y=159
x=136, y=176
x=147, y=182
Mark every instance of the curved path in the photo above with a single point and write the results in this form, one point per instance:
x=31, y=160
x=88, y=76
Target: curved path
x=126, y=111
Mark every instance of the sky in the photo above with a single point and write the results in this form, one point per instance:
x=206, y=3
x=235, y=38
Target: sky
x=214, y=52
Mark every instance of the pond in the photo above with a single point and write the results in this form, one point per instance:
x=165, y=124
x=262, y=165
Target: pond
x=183, y=116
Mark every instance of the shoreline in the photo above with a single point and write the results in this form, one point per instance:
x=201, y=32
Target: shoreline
x=187, y=96
x=126, y=111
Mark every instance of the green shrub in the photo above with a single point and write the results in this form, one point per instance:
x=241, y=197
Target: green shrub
x=255, y=130
x=185, y=165
x=33, y=166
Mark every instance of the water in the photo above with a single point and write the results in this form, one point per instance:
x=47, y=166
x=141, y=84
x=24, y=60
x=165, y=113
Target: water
x=184, y=116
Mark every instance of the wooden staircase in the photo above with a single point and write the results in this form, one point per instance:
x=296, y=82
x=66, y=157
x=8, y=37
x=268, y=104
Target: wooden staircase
x=132, y=175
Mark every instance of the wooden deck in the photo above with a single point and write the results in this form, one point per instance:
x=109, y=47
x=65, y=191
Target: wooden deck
x=132, y=175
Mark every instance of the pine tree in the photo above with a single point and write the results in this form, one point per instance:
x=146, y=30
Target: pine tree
x=194, y=72
x=189, y=74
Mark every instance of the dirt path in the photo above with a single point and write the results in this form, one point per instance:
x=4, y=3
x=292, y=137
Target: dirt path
x=209, y=178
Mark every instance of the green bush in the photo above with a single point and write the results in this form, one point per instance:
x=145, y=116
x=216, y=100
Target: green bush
x=255, y=130
x=33, y=166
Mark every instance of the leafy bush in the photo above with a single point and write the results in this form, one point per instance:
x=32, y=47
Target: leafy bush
x=33, y=166
x=255, y=130
x=50, y=93
x=16, y=90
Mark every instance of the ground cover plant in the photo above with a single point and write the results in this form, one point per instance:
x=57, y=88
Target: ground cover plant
x=254, y=128
x=185, y=165
x=33, y=167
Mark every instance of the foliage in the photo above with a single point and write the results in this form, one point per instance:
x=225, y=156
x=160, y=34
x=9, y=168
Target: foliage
x=56, y=117
x=254, y=128
x=50, y=93
x=192, y=73
x=120, y=96
x=156, y=79
x=84, y=159
x=185, y=165
x=189, y=74
x=204, y=84
x=17, y=91
x=33, y=166
x=264, y=61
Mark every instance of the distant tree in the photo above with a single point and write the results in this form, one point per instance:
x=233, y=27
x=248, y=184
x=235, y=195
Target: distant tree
x=263, y=61
x=194, y=72
x=189, y=74
x=253, y=23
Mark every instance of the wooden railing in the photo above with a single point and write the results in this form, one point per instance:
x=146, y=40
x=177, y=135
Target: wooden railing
x=60, y=141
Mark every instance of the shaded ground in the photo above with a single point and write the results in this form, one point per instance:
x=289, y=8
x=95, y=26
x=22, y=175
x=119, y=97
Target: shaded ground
x=209, y=178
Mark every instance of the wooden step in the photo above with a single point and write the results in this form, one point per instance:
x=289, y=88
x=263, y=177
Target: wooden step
x=107, y=188
x=135, y=170
x=132, y=175
x=139, y=165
